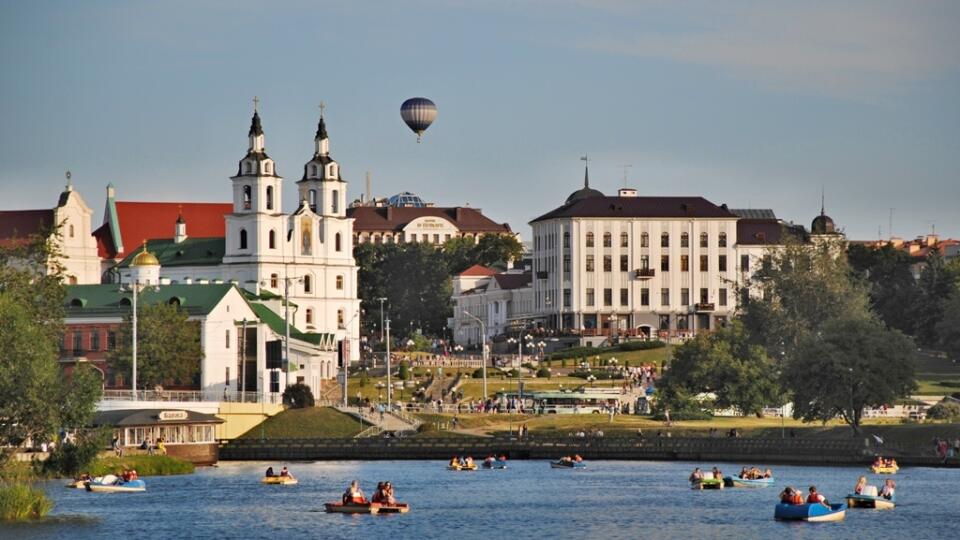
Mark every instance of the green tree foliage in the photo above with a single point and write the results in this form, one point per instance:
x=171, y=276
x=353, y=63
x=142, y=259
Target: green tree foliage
x=948, y=329
x=70, y=459
x=298, y=396
x=460, y=253
x=492, y=249
x=851, y=363
x=724, y=363
x=168, y=347
x=893, y=291
x=36, y=398
x=937, y=281
x=404, y=371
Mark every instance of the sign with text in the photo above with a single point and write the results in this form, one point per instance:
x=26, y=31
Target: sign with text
x=172, y=415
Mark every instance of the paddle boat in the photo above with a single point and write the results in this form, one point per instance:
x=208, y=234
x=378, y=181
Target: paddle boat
x=884, y=469
x=462, y=467
x=281, y=480
x=494, y=464
x=812, y=512
x=366, y=508
x=112, y=484
x=561, y=464
x=870, y=501
x=707, y=483
x=736, y=481
x=77, y=484
x=398, y=508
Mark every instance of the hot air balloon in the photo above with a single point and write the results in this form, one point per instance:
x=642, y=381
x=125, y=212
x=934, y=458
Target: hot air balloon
x=418, y=113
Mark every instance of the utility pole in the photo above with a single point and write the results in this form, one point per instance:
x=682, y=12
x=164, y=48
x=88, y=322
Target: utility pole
x=135, y=285
x=286, y=323
x=483, y=345
x=389, y=387
x=382, y=300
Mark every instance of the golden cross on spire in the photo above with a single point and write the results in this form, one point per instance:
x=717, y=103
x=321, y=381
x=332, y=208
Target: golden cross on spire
x=256, y=104
x=322, y=107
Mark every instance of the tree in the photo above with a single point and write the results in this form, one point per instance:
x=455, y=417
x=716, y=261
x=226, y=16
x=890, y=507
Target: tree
x=404, y=371
x=948, y=329
x=851, y=363
x=497, y=248
x=893, y=290
x=460, y=253
x=724, y=363
x=937, y=281
x=168, y=347
x=298, y=396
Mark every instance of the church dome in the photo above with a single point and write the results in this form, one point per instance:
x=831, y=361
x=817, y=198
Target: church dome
x=822, y=224
x=145, y=258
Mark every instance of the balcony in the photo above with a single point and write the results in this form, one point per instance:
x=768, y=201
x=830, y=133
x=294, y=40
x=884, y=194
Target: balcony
x=645, y=273
x=703, y=307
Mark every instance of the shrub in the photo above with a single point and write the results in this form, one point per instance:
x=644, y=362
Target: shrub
x=944, y=411
x=70, y=459
x=599, y=375
x=477, y=373
x=20, y=502
x=404, y=372
x=144, y=465
x=543, y=373
x=513, y=373
x=572, y=352
x=529, y=366
x=298, y=396
x=641, y=345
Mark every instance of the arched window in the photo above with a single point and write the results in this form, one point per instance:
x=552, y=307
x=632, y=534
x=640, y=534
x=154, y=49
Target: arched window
x=704, y=242
x=340, y=318
x=246, y=168
x=722, y=240
x=274, y=280
x=243, y=239
x=272, y=239
x=313, y=170
x=307, y=283
x=607, y=240
x=644, y=240
x=665, y=240
x=71, y=231
x=339, y=283
x=335, y=202
x=309, y=316
x=247, y=197
x=624, y=240
x=269, y=197
x=268, y=168
x=312, y=196
x=336, y=242
x=589, y=239
x=684, y=240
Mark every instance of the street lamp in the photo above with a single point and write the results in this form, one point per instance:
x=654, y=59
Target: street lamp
x=519, y=341
x=483, y=348
x=346, y=361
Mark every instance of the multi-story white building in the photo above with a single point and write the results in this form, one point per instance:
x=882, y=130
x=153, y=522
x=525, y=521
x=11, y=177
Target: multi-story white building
x=499, y=299
x=631, y=265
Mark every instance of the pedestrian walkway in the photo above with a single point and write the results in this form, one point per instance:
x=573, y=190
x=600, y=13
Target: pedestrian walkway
x=386, y=422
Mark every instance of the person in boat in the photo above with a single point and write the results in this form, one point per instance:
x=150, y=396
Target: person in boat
x=891, y=462
x=284, y=472
x=878, y=462
x=577, y=458
x=502, y=458
x=388, y=497
x=744, y=473
x=269, y=473
x=716, y=473
x=378, y=494
x=469, y=461
x=814, y=497
x=454, y=462
x=696, y=476
x=768, y=473
x=786, y=496
x=354, y=495
x=889, y=487
x=861, y=483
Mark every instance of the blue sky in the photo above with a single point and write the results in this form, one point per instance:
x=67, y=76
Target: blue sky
x=755, y=104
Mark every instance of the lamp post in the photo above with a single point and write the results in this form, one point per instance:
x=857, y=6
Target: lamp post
x=387, y=328
x=381, y=300
x=483, y=348
x=519, y=340
x=346, y=360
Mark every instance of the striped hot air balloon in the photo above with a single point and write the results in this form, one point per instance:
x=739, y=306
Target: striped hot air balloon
x=418, y=113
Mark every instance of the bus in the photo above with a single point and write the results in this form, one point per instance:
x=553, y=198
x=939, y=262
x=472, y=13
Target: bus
x=576, y=402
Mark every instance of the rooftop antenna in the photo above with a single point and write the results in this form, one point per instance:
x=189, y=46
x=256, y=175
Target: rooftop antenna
x=625, y=167
x=369, y=200
x=890, y=224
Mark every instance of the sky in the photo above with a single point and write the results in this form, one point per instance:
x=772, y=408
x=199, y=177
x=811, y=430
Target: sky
x=752, y=104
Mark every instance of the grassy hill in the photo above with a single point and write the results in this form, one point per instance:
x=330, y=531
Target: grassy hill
x=310, y=423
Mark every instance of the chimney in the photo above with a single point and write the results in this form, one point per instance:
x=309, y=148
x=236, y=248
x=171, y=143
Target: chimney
x=368, y=186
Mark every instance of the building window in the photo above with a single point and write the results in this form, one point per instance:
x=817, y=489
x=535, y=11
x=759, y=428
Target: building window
x=111, y=340
x=684, y=296
x=704, y=296
x=607, y=240
x=269, y=197
x=645, y=262
x=274, y=278
x=566, y=239
x=624, y=240
x=589, y=263
x=340, y=318
x=336, y=242
x=566, y=298
x=684, y=240
x=227, y=338
x=704, y=263
x=590, y=298
x=566, y=264
x=722, y=263
x=71, y=231
x=682, y=322
x=644, y=240
x=665, y=323
x=607, y=263
x=703, y=240
x=624, y=263
x=313, y=170
x=243, y=239
x=335, y=202
x=722, y=240
x=272, y=239
x=247, y=168
x=247, y=195
x=436, y=239
x=644, y=297
x=608, y=297
x=339, y=282
x=723, y=297
x=665, y=297
x=664, y=263
x=589, y=239
x=309, y=316
x=624, y=297
x=684, y=263
x=95, y=340
x=312, y=196
x=307, y=284
x=744, y=263
x=665, y=240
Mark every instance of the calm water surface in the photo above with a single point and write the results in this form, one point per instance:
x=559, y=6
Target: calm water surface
x=610, y=499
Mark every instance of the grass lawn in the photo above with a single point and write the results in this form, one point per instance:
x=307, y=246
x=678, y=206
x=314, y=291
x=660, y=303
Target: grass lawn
x=144, y=465
x=937, y=376
x=634, y=358
x=315, y=422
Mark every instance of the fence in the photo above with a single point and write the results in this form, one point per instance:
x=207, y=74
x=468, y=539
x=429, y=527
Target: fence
x=191, y=396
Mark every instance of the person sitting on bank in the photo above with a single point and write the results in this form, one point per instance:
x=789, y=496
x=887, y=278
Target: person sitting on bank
x=696, y=476
x=889, y=487
x=354, y=495
x=861, y=483
x=270, y=472
x=814, y=497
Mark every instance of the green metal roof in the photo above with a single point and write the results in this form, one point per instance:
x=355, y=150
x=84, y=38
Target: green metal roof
x=276, y=323
x=110, y=300
x=190, y=252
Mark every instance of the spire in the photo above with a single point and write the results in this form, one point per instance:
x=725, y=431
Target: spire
x=256, y=130
x=69, y=182
x=180, y=214
x=255, y=127
x=321, y=130
x=586, y=171
x=321, y=141
x=822, y=202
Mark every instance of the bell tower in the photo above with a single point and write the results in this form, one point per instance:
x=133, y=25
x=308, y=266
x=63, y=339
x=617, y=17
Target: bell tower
x=321, y=185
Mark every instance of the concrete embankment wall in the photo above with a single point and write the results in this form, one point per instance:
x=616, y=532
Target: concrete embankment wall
x=796, y=451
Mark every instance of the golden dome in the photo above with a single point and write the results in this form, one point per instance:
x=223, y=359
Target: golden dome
x=145, y=258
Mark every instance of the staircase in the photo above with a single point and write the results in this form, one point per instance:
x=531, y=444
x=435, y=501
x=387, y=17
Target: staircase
x=396, y=422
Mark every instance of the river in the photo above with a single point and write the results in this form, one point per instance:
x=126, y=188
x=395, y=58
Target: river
x=608, y=500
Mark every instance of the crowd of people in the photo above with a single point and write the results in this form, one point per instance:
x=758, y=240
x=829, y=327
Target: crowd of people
x=887, y=491
x=384, y=494
x=754, y=473
x=880, y=461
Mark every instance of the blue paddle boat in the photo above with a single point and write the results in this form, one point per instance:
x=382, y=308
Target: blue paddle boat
x=562, y=464
x=736, y=481
x=112, y=484
x=813, y=512
x=495, y=464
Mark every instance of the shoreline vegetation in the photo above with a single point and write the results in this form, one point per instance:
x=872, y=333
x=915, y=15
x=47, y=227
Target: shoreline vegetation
x=21, y=502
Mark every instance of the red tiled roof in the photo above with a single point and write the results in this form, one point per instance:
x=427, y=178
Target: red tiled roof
x=141, y=221
x=370, y=218
x=18, y=224
x=478, y=270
